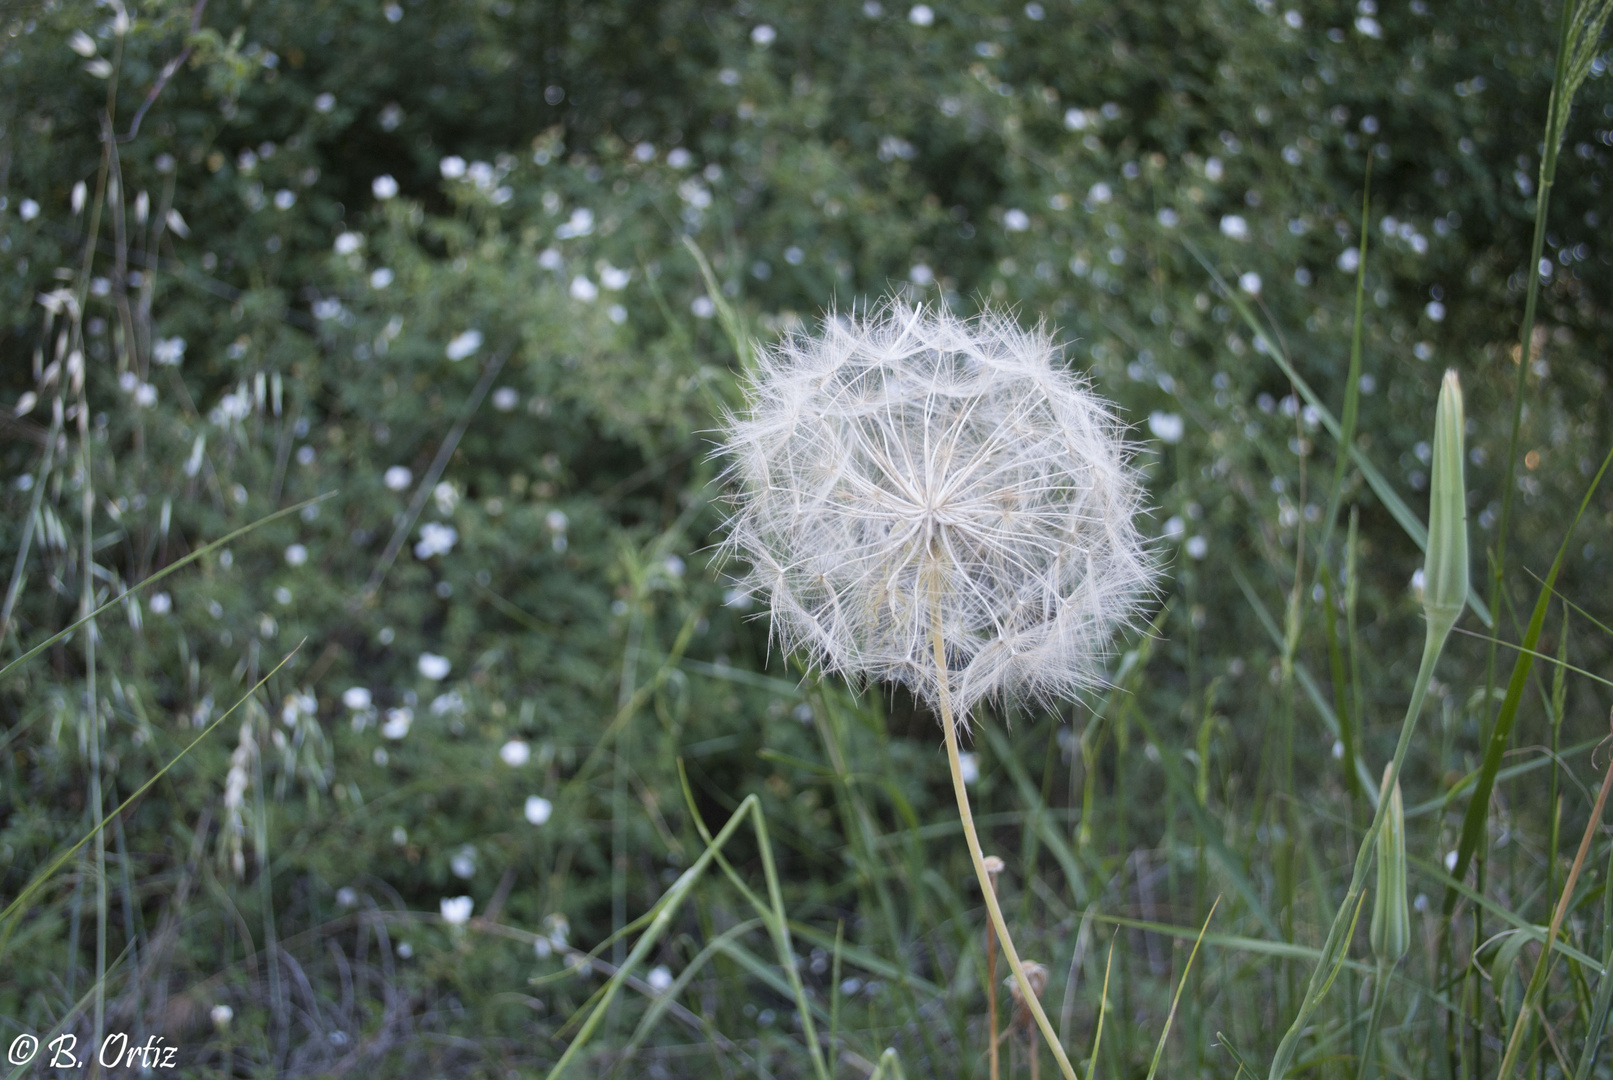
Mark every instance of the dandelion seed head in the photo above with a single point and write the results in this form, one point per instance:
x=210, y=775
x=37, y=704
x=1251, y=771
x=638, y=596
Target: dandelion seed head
x=907, y=467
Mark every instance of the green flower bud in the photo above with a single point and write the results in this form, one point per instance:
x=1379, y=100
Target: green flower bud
x=1391, y=919
x=1445, y=570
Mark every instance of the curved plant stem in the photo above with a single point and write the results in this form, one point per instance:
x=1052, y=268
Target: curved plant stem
x=949, y=729
x=1369, y=1049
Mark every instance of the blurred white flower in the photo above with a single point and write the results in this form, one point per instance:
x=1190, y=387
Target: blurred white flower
x=221, y=1015
x=1197, y=547
x=1016, y=220
x=1249, y=282
x=921, y=274
x=296, y=555
x=580, y=223
x=82, y=44
x=556, y=521
x=921, y=15
x=325, y=102
x=659, y=978
x=463, y=863
x=397, y=478
x=451, y=702
x=679, y=158
x=703, y=307
x=446, y=496
x=763, y=35
x=463, y=344
x=1167, y=427
x=168, y=351
x=27, y=209
x=1435, y=311
x=1369, y=26
x=25, y=405
x=285, y=199
x=397, y=722
x=614, y=278
x=1168, y=218
x=384, y=186
x=347, y=897
x=356, y=698
x=435, y=539
x=381, y=278
x=434, y=667
x=452, y=166
x=537, y=809
x=1234, y=227
x=969, y=765
x=515, y=753
x=505, y=398
x=1349, y=259
x=456, y=909
x=348, y=242
x=583, y=289
x=161, y=603
x=551, y=259
x=1174, y=527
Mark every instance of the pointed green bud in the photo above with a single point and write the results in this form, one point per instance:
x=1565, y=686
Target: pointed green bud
x=1445, y=568
x=1390, y=934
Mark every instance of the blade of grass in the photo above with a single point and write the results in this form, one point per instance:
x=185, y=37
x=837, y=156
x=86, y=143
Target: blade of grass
x=725, y=311
x=1159, y=1051
x=1478, y=807
x=1604, y=986
x=1537, y=981
x=1103, y=1011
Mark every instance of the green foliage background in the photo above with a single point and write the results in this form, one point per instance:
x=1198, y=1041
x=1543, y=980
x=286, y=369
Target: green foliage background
x=1063, y=159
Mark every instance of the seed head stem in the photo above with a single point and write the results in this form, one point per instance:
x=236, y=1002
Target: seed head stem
x=949, y=729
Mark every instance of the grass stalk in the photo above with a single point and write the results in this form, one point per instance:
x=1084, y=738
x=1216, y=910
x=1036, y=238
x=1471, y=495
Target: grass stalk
x=1336, y=947
x=1537, y=980
x=1478, y=806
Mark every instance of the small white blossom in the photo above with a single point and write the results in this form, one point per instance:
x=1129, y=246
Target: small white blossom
x=1234, y=227
x=921, y=15
x=1249, y=282
x=435, y=539
x=1167, y=427
x=397, y=478
x=296, y=555
x=463, y=863
x=1016, y=220
x=659, y=978
x=397, y=723
x=463, y=344
x=515, y=753
x=348, y=242
x=169, y=352
x=505, y=399
x=434, y=667
x=583, y=289
x=452, y=167
x=763, y=35
x=161, y=603
x=537, y=809
x=384, y=186
x=613, y=278
x=356, y=698
x=456, y=910
x=221, y=1015
x=969, y=765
